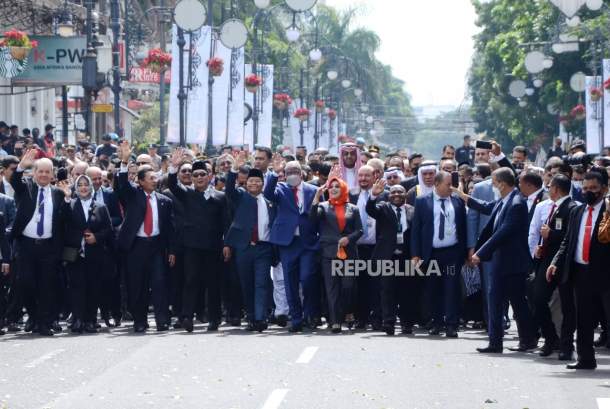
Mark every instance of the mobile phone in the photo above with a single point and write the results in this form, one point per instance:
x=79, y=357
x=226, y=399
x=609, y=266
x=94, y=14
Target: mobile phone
x=483, y=145
x=455, y=179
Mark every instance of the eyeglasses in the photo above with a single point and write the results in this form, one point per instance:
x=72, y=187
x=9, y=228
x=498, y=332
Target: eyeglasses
x=186, y=171
x=142, y=163
x=199, y=174
x=226, y=163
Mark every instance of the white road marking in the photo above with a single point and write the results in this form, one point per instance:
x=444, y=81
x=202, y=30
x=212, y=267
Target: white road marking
x=43, y=358
x=275, y=399
x=603, y=403
x=307, y=355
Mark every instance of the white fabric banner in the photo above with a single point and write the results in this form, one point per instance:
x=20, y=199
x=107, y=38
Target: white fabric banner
x=265, y=107
x=197, y=98
x=236, y=99
x=295, y=127
x=594, y=115
x=221, y=91
x=606, y=102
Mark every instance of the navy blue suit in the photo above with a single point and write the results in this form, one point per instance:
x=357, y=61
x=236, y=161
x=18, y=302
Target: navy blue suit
x=504, y=244
x=253, y=259
x=443, y=290
x=297, y=253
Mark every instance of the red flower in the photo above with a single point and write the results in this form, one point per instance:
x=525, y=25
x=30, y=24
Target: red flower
x=302, y=113
x=320, y=103
x=285, y=98
x=34, y=43
x=578, y=111
x=607, y=84
x=332, y=114
x=253, y=80
x=157, y=56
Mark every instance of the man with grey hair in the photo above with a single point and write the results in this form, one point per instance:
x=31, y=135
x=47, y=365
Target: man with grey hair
x=37, y=231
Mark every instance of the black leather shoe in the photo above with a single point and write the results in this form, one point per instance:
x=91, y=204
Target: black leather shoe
x=177, y=324
x=335, y=328
x=13, y=327
x=187, y=324
x=110, y=322
x=251, y=326
x=44, y=331
x=281, y=321
x=77, y=326
x=548, y=348
x=162, y=327
x=2, y=332
x=295, y=328
x=213, y=326
x=582, y=365
x=377, y=326
x=601, y=341
x=490, y=349
x=565, y=355
x=507, y=325
x=29, y=325
x=451, y=333
x=139, y=327
x=56, y=327
x=90, y=328
x=434, y=331
x=360, y=324
x=406, y=329
x=524, y=346
x=235, y=322
x=261, y=326
x=388, y=329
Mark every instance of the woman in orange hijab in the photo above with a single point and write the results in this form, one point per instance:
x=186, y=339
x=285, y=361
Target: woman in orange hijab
x=339, y=225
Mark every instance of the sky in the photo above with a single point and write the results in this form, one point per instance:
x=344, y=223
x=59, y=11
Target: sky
x=428, y=44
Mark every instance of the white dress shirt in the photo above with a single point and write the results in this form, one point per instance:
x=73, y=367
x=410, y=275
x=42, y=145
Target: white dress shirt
x=541, y=214
x=450, y=238
x=31, y=228
x=581, y=232
x=263, y=218
x=532, y=198
x=368, y=223
x=352, y=178
x=155, y=218
x=98, y=195
x=8, y=188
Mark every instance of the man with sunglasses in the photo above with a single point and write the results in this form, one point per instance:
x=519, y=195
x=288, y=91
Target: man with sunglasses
x=206, y=221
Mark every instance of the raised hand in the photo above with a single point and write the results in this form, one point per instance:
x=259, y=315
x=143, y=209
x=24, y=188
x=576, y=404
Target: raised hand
x=496, y=148
x=378, y=187
x=177, y=157
x=335, y=172
x=28, y=159
x=64, y=186
x=277, y=162
x=240, y=160
x=125, y=152
x=321, y=190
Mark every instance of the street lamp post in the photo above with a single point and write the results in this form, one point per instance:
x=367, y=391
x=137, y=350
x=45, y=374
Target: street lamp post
x=116, y=74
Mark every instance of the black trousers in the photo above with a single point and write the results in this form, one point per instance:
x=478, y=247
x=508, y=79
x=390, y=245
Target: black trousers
x=202, y=273
x=368, y=290
x=146, y=274
x=84, y=282
x=401, y=296
x=37, y=266
x=585, y=292
x=340, y=293
x=543, y=290
x=110, y=287
x=176, y=284
x=231, y=290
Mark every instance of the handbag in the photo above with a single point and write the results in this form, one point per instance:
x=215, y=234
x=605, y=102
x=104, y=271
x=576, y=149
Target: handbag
x=472, y=279
x=69, y=254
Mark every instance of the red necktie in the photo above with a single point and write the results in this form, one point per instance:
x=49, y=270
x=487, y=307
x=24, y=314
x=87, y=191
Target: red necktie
x=586, y=245
x=295, y=190
x=548, y=220
x=148, y=218
x=254, y=238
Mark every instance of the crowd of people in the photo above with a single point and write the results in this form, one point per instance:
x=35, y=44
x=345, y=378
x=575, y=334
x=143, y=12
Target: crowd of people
x=253, y=239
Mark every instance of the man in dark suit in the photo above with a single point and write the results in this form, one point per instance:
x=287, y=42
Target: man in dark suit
x=38, y=240
x=530, y=186
x=110, y=291
x=206, y=220
x=297, y=240
x=399, y=295
x=146, y=237
x=5, y=258
x=583, y=260
x=552, y=233
x=438, y=235
x=249, y=236
x=503, y=241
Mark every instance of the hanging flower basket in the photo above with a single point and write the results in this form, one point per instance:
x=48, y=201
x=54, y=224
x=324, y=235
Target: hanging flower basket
x=216, y=65
x=157, y=60
x=565, y=120
x=596, y=94
x=332, y=114
x=18, y=43
x=607, y=84
x=302, y=114
x=320, y=106
x=578, y=112
x=281, y=101
x=253, y=82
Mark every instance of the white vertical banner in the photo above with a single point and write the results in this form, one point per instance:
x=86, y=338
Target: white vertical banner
x=264, y=105
x=221, y=91
x=593, y=111
x=235, y=129
x=324, y=126
x=606, y=101
x=196, y=109
x=333, y=139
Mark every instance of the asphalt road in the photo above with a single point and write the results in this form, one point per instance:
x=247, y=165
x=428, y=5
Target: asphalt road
x=235, y=369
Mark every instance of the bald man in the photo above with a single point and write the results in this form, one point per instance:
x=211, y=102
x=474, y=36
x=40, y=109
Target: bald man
x=38, y=241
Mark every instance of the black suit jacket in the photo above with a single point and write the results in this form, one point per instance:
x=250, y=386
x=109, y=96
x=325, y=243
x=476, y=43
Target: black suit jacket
x=561, y=219
x=599, y=255
x=205, y=221
x=134, y=200
x=99, y=224
x=385, y=229
x=323, y=215
x=26, y=195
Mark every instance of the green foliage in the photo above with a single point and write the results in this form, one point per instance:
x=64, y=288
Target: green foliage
x=145, y=130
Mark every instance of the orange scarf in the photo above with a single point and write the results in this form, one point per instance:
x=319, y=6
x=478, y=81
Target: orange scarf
x=339, y=202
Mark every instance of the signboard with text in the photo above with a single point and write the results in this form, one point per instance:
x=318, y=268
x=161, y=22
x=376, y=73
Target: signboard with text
x=56, y=61
x=144, y=75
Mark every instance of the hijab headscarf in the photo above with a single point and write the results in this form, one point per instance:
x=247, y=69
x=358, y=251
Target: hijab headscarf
x=339, y=202
x=76, y=189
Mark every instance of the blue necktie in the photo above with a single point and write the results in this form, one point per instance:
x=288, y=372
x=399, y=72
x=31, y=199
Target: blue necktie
x=441, y=226
x=363, y=216
x=40, y=226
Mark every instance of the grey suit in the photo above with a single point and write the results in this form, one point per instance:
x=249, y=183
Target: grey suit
x=340, y=291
